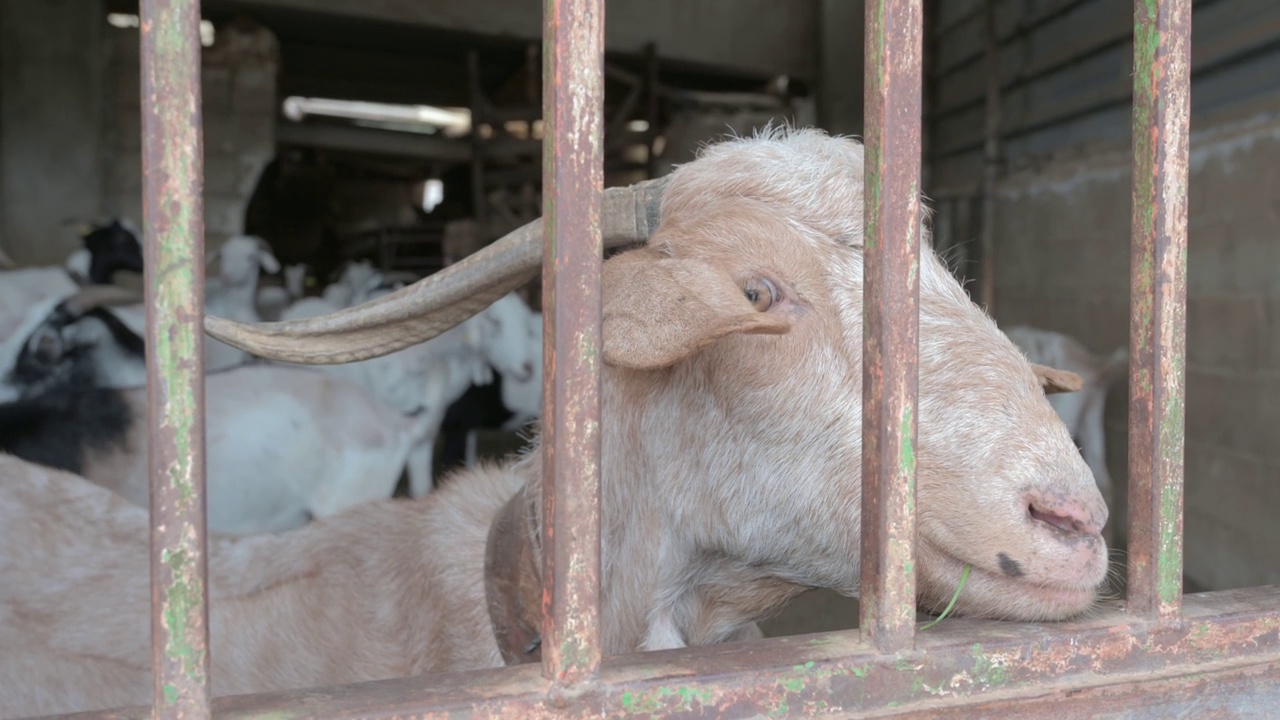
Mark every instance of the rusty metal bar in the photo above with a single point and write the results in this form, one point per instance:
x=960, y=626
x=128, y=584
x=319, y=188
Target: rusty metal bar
x=1158, y=302
x=891, y=319
x=573, y=191
x=173, y=211
x=1226, y=655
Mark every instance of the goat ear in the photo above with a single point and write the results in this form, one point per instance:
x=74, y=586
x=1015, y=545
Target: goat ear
x=268, y=262
x=1054, y=380
x=659, y=310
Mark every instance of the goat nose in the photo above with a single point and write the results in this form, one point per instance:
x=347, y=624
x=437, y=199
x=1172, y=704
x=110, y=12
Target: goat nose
x=527, y=368
x=1070, y=516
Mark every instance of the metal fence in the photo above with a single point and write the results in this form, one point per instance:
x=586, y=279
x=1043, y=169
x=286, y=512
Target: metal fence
x=1214, y=654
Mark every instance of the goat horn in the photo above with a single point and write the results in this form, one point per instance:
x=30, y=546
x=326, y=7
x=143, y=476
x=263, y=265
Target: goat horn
x=94, y=296
x=438, y=302
x=6, y=262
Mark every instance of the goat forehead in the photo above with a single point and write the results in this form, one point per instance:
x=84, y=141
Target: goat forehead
x=805, y=176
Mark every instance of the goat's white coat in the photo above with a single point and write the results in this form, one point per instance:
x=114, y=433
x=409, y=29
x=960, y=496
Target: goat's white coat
x=231, y=293
x=426, y=378
x=284, y=445
x=24, y=287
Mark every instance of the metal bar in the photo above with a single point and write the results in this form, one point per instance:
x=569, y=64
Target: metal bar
x=573, y=188
x=891, y=319
x=173, y=211
x=990, y=164
x=1227, y=652
x=1158, y=301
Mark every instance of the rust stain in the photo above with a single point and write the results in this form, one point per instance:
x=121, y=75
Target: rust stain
x=1161, y=114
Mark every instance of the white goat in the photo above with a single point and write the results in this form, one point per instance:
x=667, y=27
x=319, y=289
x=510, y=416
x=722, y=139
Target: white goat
x=359, y=282
x=522, y=397
x=272, y=300
x=354, y=276
x=730, y=433
x=233, y=292
x=1082, y=412
x=426, y=378
x=284, y=443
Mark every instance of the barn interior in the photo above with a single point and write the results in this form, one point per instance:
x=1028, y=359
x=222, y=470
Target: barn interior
x=408, y=135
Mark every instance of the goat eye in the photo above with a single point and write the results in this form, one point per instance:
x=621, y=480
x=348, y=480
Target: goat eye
x=760, y=293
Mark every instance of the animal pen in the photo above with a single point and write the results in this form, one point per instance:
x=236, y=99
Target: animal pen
x=1156, y=654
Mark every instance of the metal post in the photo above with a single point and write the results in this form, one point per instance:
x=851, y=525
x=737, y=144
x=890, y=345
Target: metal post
x=891, y=319
x=1158, y=297
x=173, y=210
x=573, y=187
x=990, y=161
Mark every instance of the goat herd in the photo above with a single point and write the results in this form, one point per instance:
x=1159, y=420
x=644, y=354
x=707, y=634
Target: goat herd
x=730, y=430
x=286, y=443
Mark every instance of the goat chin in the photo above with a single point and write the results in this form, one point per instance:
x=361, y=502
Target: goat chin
x=730, y=430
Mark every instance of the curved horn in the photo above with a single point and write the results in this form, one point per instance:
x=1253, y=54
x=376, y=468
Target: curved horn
x=94, y=296
x=436, y=303
x=6, y=262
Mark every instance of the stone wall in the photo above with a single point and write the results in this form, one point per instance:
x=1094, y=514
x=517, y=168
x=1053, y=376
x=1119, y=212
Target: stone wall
x=50, y=130
x=238, y=77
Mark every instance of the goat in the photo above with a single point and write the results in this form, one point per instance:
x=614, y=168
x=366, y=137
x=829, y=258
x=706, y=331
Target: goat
x=354, y=276
x=107, y=249
x=508, y=403
x=272, y=299
x=1082, y=412
x=232, y=293
x=730, y=431
x=426, y=378
x=284, y=444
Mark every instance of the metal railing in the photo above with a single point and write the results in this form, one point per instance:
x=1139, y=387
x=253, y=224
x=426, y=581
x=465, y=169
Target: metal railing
x=1157, y=654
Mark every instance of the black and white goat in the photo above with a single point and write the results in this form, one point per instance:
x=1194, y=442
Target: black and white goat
x=107, y=249
x=284, y=444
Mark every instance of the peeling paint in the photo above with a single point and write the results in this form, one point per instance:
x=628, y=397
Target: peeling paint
x=172, y=148
x=573, y=91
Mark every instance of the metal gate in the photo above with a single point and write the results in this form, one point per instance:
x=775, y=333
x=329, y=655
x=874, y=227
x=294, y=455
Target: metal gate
x=1214, y=654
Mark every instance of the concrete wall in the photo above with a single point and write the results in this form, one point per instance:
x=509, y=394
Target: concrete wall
x=70, y=124
x=1063, y=264
x=50, y=129
x=239, y=91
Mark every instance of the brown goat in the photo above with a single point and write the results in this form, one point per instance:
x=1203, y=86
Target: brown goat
x=731, y=444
